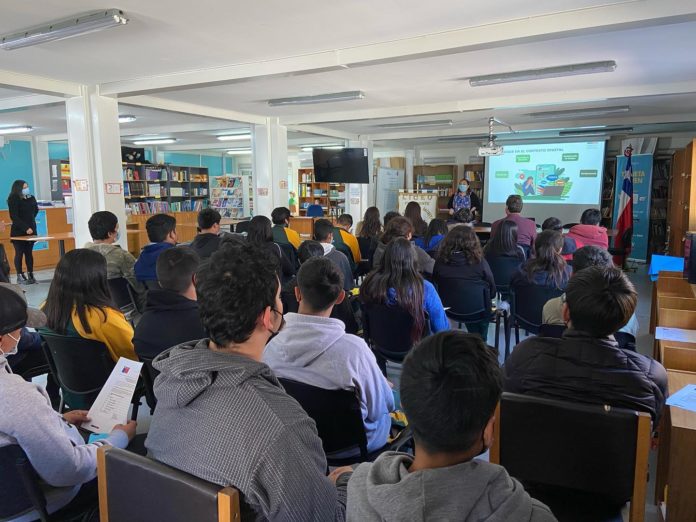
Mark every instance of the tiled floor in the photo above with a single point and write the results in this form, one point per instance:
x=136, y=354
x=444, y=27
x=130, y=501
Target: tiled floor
x=36, y=294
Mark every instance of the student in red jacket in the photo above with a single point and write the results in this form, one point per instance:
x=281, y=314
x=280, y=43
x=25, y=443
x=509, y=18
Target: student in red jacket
x=588, y=232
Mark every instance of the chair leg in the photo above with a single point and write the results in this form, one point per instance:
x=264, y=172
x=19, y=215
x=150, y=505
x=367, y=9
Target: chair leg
x=506, y=319
x=517, y=334
x=497, y=332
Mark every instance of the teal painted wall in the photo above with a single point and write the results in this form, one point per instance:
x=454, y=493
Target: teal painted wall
x=214, y=164
x=58, y=150
x=15, y=163
x=182, y=159
x=229, y=165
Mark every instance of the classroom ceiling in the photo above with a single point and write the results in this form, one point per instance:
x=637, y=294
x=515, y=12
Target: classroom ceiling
x=411, y=59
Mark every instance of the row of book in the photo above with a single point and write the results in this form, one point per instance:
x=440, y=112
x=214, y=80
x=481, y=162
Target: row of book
x=156, y=207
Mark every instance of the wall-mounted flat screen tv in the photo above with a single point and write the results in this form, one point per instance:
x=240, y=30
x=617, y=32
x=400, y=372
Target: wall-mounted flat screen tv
x=341, y=165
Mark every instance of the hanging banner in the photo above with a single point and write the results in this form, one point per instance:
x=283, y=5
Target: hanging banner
x=427, y=202
x=642, y=180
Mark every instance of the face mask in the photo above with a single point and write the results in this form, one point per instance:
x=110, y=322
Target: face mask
x=463, y=188
x=26, y=191
x=14, y=350
x=282, y=324
x=118, y=236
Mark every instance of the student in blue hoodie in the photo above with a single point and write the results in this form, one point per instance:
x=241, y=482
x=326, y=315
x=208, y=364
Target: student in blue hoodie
x=314, y=349
x=161, y=231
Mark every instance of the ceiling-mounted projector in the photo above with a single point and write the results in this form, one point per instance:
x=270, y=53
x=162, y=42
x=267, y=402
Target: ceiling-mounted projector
x=495, y=150
x=491, y=149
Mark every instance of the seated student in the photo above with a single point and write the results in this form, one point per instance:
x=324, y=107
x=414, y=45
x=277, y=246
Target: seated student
x=66, y=466
x=586, y=364
x=504, y=243
x=450, y=386
x=548, y=268
x=389, y=216
x=260, y=233
x=570, y=245
x=371, y=226
x=161, y=231
x=323, y=232
x=461, y=258
x=397, y=282
x=208, y=239
x=344, y=223
x=314, y=349
x=413, y=213
x=437, y=230
x=588, y=232
x=342, y=311
x=402, y=227
x=282, y=233
x=171, y=316
x=526, y=228
x=104, y=229
x=585, y=257
x=79, y=304
x=221, y=413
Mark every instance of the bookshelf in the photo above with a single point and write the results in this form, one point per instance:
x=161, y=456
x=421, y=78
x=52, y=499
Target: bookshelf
x=658, y=205
x=227, y=195
x=331, y=196
x=608, y=187
x=473, y=173
x=437, y=179
x=151, y=189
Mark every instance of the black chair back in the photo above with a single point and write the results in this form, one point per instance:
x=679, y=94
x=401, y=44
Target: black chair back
x=596, y=449
x=527, y=303
x=387, y=329
x=133, y=488
x=20, y=490
x=503, y=267
x=336, y=413
x=80, y=366
x=149, y=375
x=242, y=227
x=122, y=295
x=467, y=301
x=290, y=253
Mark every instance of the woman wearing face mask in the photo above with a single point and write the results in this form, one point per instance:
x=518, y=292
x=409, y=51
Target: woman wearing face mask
x=23, y=209
x=464, y=198
x=66, y=465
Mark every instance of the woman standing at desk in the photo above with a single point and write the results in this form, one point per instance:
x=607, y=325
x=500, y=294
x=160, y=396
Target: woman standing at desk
x=464, y=198
x=23, y=209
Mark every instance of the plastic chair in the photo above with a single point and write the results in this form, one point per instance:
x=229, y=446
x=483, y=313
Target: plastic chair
x=503, y=268
x=133, y=488
x=583, y=461
x=387, y=329
x=241, y=228
x=122, y=295
x=468, y=302
x=20, y=490
x=81, y=367
x=526, y=307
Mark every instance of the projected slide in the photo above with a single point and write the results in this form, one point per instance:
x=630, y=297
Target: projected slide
x=555, y=173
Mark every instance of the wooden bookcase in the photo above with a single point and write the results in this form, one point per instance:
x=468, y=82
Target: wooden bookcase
x=331, y=196
x=658, y=205
x=608, y=187
x=439, y=179
x=473, y=173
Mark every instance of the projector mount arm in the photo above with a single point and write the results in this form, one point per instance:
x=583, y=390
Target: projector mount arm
x=491, y=136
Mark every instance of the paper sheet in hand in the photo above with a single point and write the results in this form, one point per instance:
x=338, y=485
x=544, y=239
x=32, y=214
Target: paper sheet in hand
x=113, y=401
x=684, y=398
x=675, y=334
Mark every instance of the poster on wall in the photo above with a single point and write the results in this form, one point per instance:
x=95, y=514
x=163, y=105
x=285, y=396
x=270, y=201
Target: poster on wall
x=389, y=182
x=427, y=202
x=41, y=230
x=642, y=178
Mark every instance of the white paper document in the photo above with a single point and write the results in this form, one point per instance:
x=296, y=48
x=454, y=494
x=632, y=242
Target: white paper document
x=684, y=398
x=113, y=401
x=675, y=334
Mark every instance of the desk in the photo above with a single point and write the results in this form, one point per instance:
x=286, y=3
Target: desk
x=676, y=458
x=53, y=237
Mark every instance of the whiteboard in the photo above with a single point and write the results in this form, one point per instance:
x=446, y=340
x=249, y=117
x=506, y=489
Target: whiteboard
x=427, y=202
x=389, y=182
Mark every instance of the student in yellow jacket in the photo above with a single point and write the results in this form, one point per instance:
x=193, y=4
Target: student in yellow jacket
x=79, y=304
x=281, y=231
x=344, y=223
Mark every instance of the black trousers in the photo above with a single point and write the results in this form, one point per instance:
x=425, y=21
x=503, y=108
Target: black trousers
x=23, y=249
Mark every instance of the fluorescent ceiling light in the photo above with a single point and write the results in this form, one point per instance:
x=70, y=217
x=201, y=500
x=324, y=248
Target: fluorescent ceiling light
x=154, y=141
x=235, y=137
x=126, y=118
x=579, y=113
x=416, y=124
x=238, y=152
x=319, y=98
x=590, y=132
x=542, y=74
x=65, y=28
x=15, y=130
x=309, y=148
x=479, y=137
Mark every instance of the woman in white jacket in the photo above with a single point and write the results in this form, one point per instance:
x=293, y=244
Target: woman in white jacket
x=66, y=465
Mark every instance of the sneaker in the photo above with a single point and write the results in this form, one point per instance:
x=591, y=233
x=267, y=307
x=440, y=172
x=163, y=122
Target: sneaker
x=31, y=280
x=21, y=279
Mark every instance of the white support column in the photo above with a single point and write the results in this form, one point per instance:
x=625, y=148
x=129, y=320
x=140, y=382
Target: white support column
x=410, y=161
x=270, y=171
x=95, y=160
x=42, y=169
x=361, y=196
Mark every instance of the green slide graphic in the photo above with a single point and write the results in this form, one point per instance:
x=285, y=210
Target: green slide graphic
x=545, y=183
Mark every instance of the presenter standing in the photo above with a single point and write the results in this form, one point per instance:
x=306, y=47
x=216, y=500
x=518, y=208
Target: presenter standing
x=23, y=210
x=464, y=198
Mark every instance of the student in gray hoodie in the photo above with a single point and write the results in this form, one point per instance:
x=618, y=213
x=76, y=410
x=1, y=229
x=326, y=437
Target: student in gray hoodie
x=314, y=349
x=450, y=385
x=221, y=413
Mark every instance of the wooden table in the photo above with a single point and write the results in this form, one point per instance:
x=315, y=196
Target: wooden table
x=53, y=237
x=676, y=458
